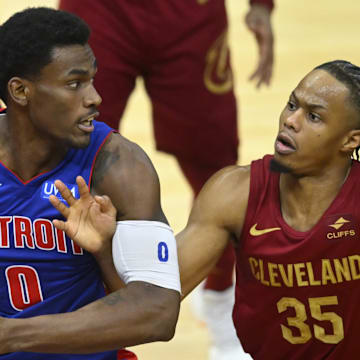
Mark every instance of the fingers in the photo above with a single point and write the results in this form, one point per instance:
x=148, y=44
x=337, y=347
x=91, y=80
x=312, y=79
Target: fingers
x=65, y=192
x=83, y=187
x=262, y=74
x=61, y=225
x=95, y=210
x=258, y=21
x=263, y=71
x=60, y=206
x=106, y=205
x=86, y=201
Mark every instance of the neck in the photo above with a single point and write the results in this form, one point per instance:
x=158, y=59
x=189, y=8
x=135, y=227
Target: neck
x=24, y=152
x=305, y=199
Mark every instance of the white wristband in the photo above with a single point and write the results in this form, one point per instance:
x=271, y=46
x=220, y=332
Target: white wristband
x=146, y=251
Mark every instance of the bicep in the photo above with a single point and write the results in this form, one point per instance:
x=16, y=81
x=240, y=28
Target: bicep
x=142, y=201
x=130, y=180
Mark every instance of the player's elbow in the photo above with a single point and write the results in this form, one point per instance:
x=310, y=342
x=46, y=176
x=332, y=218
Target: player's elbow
x=154, y=311
x=165, y=316
x=160, y=313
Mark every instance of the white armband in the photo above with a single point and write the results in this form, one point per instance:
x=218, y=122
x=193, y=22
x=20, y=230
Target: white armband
x=146, y=251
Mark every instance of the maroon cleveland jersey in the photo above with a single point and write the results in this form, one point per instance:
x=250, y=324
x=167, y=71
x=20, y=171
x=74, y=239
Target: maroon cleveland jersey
x=298, y=293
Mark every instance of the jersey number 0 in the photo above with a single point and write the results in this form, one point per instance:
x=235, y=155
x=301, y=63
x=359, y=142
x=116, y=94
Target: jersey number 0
x=23, y=286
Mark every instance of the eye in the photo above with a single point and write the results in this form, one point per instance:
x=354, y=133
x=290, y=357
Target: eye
x=314, y=117
x=291, y=105
x=74, y=84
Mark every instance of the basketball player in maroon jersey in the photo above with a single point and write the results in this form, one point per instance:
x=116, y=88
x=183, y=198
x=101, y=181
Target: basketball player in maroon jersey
x=293, y=219
x=186, y=70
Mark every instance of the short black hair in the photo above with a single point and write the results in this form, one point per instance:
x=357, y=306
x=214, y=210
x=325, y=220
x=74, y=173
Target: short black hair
x=28, y=38
x=349, y=75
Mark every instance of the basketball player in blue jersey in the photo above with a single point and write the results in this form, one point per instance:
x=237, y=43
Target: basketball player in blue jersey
x=293, y=218
x=49, y=132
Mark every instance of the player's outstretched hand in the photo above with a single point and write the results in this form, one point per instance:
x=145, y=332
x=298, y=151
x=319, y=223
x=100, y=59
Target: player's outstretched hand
x=258, y=21
x=90, y=220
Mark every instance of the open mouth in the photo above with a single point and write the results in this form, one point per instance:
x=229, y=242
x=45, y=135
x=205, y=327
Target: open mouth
x=86, y=124
x=284, y=144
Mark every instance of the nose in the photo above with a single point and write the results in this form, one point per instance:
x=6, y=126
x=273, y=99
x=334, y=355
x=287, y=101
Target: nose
x=92, y=97
x=292, y=120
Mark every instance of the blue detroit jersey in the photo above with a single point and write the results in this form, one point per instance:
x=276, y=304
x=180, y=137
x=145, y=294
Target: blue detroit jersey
x=42, y=271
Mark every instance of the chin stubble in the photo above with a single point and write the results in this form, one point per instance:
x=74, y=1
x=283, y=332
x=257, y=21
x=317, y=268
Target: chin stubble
x=276, y=166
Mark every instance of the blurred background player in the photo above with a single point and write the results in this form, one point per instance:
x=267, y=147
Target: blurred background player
x=180, y=50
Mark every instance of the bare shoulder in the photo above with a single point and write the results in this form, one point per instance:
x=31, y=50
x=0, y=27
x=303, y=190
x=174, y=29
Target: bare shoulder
x=224, y=197
x=125, y=173
x=119, y=153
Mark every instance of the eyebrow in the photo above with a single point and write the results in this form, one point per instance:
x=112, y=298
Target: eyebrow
x=308, y=104
x=78, y=72
x=81, y=71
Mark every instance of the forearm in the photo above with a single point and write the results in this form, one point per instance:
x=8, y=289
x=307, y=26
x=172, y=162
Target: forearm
x=137, y=314
x=190, y=279
x=197, y=257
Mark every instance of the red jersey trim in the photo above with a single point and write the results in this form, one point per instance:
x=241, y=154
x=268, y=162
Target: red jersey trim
x=95, y=157
x=126, y=355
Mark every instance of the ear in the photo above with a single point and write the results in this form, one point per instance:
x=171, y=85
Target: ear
x=351, y=141
x=19, y=91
